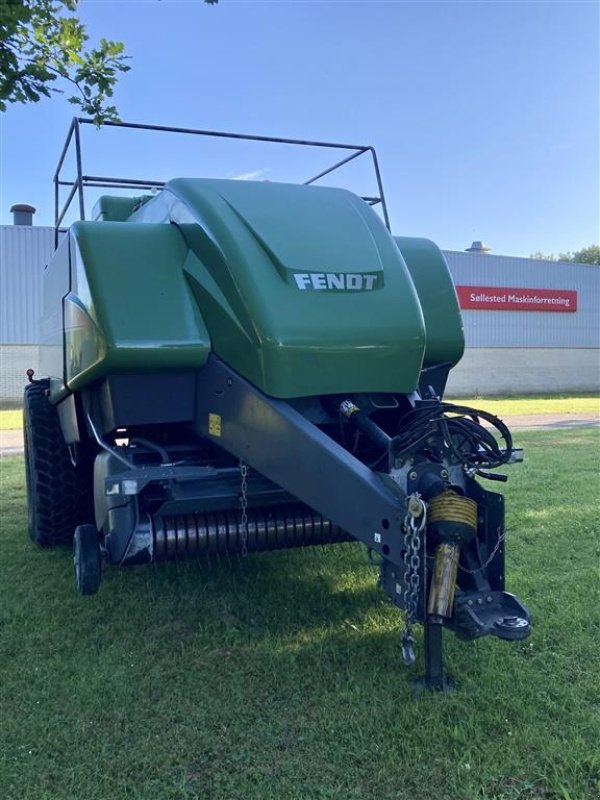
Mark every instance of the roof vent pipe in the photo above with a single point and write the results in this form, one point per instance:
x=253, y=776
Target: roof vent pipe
x=22, y=214
x=478, y=247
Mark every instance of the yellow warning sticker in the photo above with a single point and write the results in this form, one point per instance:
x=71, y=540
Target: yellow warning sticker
x=214, y=424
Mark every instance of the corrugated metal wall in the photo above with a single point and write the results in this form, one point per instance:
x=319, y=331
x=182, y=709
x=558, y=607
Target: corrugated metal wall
x=529, y=328
x=24, y=251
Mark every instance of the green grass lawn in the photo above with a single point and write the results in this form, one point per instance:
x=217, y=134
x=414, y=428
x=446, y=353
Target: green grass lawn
x=10, y=419
x=506, y=406
x=278, y=677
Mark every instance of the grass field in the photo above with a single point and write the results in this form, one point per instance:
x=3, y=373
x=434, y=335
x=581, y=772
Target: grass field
x=506, y=406
x=10, y=419
x=278, y=677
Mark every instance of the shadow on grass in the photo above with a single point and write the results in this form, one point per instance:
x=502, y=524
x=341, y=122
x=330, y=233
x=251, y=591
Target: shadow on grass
x=282, y=592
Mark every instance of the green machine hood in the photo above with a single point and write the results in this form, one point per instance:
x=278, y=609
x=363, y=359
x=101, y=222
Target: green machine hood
x=300, y=289
x=303, y=289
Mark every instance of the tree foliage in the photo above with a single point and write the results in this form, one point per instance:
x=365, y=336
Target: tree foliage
x=42, y=42
x=587, y=255
x=43, y=45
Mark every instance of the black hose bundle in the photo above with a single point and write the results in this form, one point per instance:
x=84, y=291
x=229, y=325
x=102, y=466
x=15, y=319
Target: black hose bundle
x=462, y=432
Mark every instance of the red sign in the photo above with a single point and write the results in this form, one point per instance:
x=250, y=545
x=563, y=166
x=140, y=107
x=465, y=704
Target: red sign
x=502, y=298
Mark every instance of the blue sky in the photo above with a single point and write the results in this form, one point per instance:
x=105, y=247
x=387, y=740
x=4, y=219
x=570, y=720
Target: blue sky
x=485, y=115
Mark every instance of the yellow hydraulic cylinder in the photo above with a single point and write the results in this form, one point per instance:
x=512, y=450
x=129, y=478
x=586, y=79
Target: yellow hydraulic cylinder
x=452, y=518
x=443, y=580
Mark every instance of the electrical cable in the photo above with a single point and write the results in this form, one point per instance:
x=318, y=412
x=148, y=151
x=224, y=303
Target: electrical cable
x=107, y=447
x=152, y=446
x=476, y=447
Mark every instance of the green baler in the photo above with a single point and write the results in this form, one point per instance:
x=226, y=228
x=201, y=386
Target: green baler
x=234, y=366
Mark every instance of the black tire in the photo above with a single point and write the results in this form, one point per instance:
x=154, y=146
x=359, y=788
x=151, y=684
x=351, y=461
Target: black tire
x=59, y=496
x=87, y=559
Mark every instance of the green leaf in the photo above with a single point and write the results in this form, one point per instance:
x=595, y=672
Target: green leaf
x=43, y=43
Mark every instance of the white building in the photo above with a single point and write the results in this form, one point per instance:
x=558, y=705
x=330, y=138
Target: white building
x=24, y=251
x=530, y=326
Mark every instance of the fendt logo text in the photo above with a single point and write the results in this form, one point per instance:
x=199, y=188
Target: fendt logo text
x=341, y=281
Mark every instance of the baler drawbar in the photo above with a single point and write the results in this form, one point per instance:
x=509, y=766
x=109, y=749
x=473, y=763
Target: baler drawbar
x=234, y=367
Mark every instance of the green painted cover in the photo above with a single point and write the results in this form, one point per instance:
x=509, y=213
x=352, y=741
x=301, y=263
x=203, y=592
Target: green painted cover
x=439, y=303
x=129, y=308
x=117, y=209
x=301, y=289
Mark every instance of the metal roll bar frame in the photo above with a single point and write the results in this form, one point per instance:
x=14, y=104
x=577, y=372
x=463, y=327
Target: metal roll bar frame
x=82, y=181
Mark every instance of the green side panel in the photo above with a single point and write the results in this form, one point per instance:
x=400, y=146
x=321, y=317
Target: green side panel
x=434, y=285
x=85, y=345
x=55, y=286
x=303, y=289
x=117, y=209
x=129, y=308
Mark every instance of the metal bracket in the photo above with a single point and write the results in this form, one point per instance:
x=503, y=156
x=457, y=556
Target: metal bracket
x=280, y=443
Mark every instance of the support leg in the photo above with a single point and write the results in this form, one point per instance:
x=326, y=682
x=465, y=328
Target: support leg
x=435, y=677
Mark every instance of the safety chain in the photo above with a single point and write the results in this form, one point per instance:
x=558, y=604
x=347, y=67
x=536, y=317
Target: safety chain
x=414, y=523
x=244, y=505
x=501, y=537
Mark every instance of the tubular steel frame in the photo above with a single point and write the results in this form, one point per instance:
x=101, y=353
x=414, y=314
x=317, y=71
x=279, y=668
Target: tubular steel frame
x=81, y=181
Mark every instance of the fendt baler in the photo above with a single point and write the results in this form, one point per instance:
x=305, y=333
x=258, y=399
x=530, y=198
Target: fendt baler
x=234, y=366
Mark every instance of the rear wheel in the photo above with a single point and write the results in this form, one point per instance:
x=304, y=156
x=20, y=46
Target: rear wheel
x=58, y=494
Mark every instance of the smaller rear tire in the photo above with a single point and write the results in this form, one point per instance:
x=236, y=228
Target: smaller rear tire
x=87, y=559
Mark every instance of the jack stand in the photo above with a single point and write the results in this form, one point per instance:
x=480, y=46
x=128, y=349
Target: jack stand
x=435, y=677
